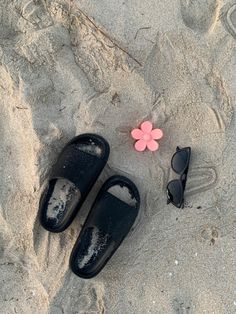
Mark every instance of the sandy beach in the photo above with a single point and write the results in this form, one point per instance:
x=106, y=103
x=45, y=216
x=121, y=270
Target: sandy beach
x=70, y=67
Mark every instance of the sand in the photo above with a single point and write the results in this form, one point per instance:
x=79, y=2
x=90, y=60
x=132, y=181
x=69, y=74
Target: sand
x=69, y=67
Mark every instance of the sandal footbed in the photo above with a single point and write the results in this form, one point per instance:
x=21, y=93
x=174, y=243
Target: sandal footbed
x=109, y=221
x=81, y=169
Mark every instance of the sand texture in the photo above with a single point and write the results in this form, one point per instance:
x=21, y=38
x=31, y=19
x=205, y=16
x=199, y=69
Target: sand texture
x=69, y=67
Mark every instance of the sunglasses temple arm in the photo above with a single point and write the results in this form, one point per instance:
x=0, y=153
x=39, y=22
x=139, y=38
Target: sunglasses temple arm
x=184, y=177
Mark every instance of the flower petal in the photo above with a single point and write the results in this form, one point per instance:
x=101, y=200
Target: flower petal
x=152, y=145
x=157, y=134
x=137, y=134
x=146, y=127
x=140, y=145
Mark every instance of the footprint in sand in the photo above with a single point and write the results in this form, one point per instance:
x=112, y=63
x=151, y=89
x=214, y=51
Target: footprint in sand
x=201, y=179
x=181, y=307
x=200, y=15
x=88, y=297
x=230, y=20
x=95, y=54
x=210, y=234
x=35, y=13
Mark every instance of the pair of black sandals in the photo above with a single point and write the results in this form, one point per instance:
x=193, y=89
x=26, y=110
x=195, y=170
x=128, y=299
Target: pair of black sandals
x=112, y=214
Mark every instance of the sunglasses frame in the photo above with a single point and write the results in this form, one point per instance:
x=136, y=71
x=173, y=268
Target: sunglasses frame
x=183, y=176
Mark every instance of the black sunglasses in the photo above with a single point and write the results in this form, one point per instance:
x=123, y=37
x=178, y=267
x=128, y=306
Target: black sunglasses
x=175, y=188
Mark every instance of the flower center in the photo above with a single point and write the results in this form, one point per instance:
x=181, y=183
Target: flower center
x=147, y=137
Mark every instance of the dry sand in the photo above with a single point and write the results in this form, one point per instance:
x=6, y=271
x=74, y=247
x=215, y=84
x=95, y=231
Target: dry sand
x=68, y=67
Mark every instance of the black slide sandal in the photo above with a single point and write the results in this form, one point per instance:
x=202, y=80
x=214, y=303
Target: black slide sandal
x=109, y=221
x=72, y=177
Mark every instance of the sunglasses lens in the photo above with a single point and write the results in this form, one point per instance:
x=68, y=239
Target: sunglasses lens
x=175, y=192
x=179, y=161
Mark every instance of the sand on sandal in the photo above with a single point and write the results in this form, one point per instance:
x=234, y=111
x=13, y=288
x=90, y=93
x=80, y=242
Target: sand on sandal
x=70, y=67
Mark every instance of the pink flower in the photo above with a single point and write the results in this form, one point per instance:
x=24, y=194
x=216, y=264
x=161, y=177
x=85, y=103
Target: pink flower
x=146, y=137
